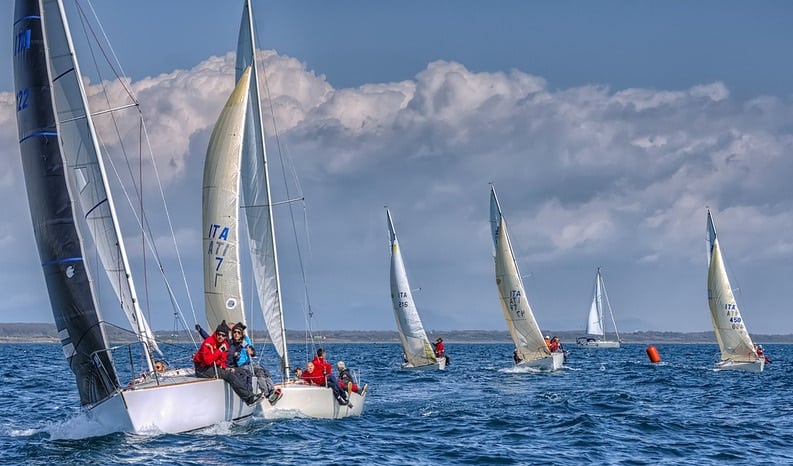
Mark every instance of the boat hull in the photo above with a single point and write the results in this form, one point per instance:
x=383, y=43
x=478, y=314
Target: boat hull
x=440, y=364
x=746, y=366
x=549, y=363
x=301, y=400
x=180, y=404
x=593, y=343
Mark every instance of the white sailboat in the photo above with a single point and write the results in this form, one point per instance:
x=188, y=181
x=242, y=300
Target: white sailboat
x=74, y=217
x=530, y=347
x=305, y=400
x=596, y=324
x=737, y=350
x=417, y=349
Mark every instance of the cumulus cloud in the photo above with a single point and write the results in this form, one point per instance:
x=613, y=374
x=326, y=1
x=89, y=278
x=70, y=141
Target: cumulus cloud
x=582, y=172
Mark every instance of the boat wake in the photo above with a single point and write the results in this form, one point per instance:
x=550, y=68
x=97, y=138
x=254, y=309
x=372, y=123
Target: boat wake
x=78, y=427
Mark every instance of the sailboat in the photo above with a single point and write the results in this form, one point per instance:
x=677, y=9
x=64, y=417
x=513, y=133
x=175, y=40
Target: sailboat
x=530, y=347
x=595, y=324
x=417, y=349
x=737, y=350
x=74, y=218
x=254, y=183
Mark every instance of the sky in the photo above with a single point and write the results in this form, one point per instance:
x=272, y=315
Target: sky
x=607, y=128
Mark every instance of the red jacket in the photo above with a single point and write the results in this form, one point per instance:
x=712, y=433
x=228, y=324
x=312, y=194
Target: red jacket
x=211, y=353
x=314, y=377
x=324, y=367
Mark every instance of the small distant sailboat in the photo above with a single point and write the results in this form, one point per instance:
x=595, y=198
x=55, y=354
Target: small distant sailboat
x=418, y=350
x=530, y=347
x=74, y=217
x=596, y=324
x=737, y=350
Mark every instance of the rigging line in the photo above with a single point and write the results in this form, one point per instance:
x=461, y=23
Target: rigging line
x=86, y=28
x=281, y=157
x=106, y=41
x=170, y=228
x=154, y=165
x=130, y=93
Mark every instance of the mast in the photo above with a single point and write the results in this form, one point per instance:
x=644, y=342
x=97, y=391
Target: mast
x=608, y=304
x=258, y=202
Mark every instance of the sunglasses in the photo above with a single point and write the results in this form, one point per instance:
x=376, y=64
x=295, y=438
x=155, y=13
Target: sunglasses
x=221, y=334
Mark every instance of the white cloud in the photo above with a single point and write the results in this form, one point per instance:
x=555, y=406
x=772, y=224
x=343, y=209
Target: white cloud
x=585, y=174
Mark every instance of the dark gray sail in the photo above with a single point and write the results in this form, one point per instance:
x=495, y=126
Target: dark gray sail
x=68, y=282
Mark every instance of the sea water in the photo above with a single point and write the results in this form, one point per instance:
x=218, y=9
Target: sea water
x=607, y=406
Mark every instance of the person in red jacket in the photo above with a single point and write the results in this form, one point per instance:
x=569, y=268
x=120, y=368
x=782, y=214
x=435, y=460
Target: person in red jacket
x=210, y=363
x=312, y=375
x=439, y=349
x=326, y=368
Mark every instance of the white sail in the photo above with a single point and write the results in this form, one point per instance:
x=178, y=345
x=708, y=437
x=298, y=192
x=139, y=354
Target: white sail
x=66, y=188
x=596, y=319
x=415, y=344
x=85, y=172
x=220, y=202
x=257, y=198
x=594, y=325
x=523, y=327
x=310, y=401
x=728, y=324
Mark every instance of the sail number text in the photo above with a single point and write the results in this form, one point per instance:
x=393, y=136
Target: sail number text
x=403, y=302
x=22, y=43
x=218, y=246
x=514, y=303
x=734, y=316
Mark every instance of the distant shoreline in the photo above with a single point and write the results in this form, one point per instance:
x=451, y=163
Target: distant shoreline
x=46, y=333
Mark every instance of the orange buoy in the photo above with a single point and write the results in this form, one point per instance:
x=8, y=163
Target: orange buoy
x=652, y=353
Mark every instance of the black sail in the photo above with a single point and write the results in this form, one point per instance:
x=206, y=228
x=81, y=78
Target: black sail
x=68, y=282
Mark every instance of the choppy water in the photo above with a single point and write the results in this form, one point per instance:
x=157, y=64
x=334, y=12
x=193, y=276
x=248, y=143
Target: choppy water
x=605, y=407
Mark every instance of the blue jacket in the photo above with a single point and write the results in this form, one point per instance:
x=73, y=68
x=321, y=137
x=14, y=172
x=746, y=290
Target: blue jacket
x=238, y=354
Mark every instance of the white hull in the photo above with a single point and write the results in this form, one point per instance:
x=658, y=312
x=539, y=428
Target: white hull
x=550, y=363
x=591, y=343
x=300, y=400
x=184, y=404
x=440, y=364
x=746, y=366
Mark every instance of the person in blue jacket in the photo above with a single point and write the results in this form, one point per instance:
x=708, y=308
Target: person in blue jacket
x=240, y=354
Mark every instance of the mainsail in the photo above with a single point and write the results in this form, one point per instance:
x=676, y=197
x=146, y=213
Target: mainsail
x=256, y=197
x=595, y=324
x=220, y=201
x=68, y=193
x=415, y=343
x=525, y=331
x=729, y=326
